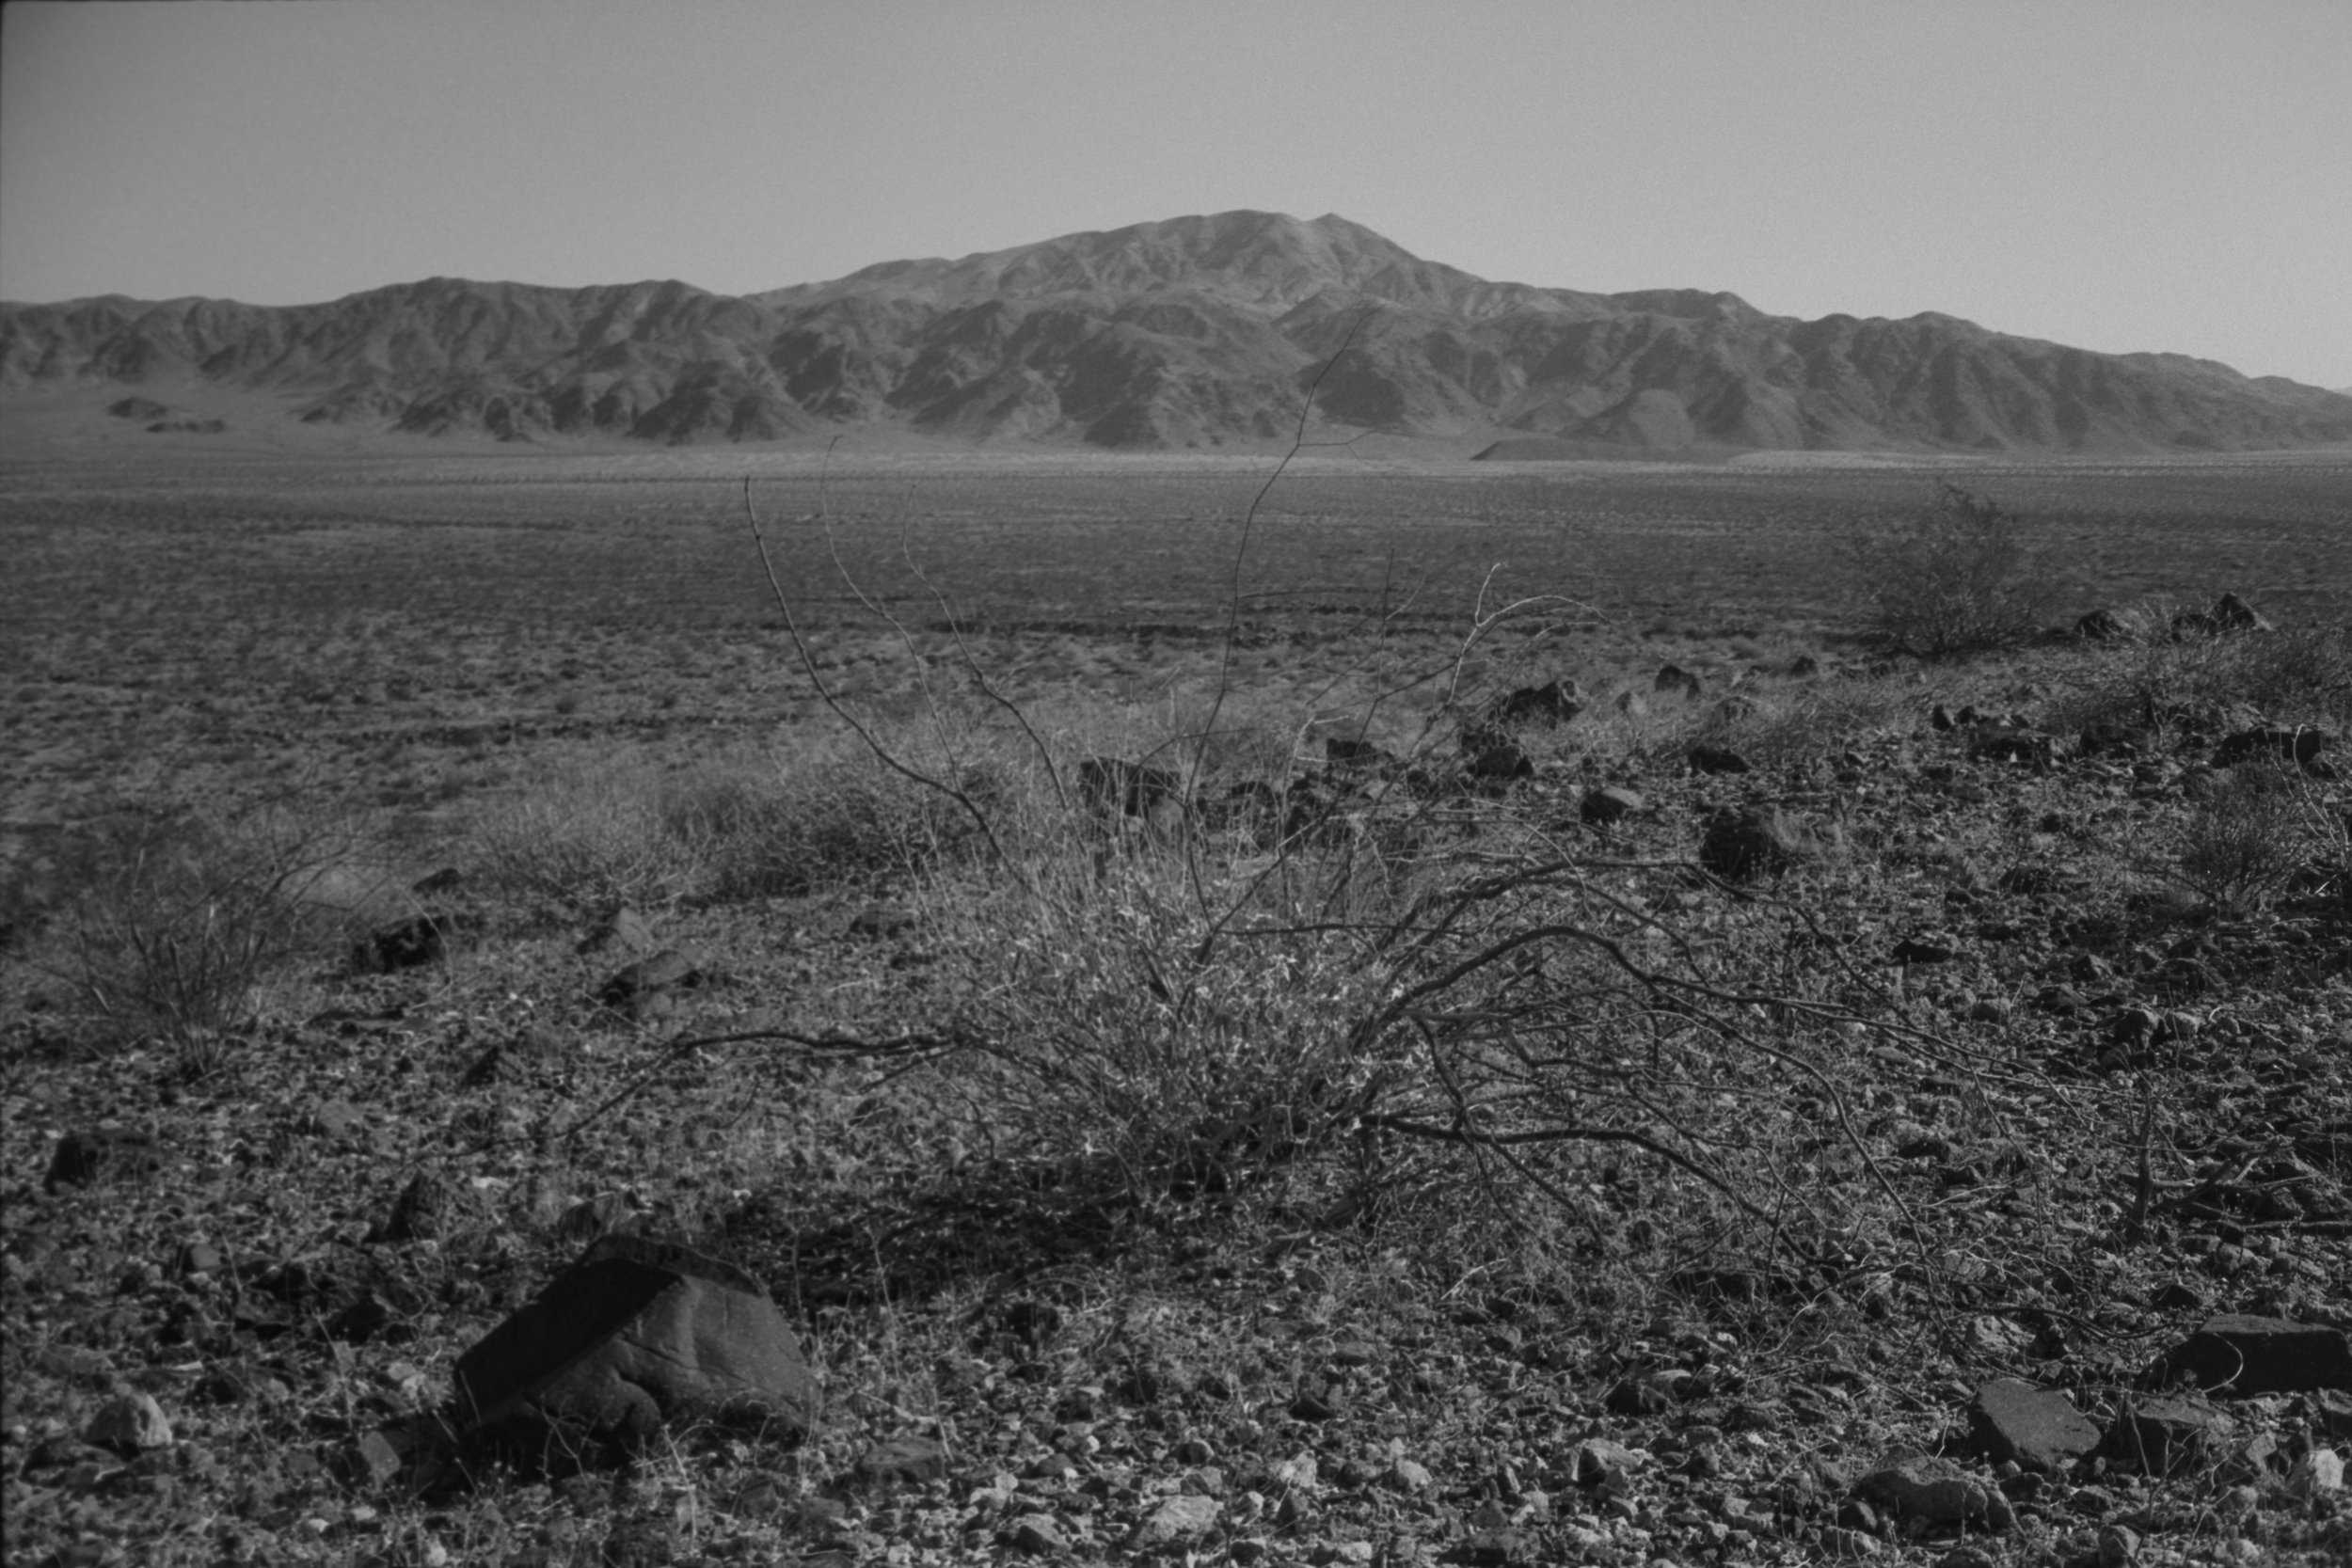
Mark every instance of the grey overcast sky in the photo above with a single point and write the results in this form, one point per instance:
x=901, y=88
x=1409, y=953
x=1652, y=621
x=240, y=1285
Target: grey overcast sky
x=2115, y=174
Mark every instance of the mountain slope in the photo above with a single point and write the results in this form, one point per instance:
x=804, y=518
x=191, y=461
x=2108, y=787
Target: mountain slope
x=1192, y=331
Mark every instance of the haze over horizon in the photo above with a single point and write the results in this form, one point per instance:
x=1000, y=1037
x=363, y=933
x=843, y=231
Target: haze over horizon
x=2117, y=177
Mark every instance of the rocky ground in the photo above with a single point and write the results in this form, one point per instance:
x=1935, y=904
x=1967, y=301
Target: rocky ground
x=2081, y=1128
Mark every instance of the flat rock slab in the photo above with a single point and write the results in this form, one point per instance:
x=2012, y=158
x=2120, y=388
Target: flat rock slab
x=2242, y=1356
x=1920, y=1486
x=2039, y=1428
x=635, y=1337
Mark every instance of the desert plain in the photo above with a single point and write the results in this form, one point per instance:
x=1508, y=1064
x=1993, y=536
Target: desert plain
x=441, y=854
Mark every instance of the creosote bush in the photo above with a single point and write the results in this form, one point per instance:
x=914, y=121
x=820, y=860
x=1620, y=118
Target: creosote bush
x=1965, y=577
x=180, y=920
x=2261, y=827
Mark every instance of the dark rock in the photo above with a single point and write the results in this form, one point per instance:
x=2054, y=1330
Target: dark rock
x=592, y=1217
x=2300, y=745
x=2231, y=613
x=1113, y=787
x=672, y=968
x=103, y=1152
x=881, y=922
x=1635, y=1396
x=1342, y=755
x=1716, y=760
x=1999, y=742
x=634, y=1336
x=1495, y=759
x=426, y=939
x=2166, y=1434
x=2105, y=738
x=363, y=1317
x=2039, y=1428
x=901, y=1462
x=1314, y=1404
x=1555, y=703
x=421, y=1212
x=1610, y=803
x=2247, y=1356
x=1756, y=841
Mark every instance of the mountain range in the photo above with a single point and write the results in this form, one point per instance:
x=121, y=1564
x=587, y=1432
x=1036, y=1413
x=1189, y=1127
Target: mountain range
x=1192, y=332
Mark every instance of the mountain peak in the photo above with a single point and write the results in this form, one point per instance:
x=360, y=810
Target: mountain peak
x=1193, y=330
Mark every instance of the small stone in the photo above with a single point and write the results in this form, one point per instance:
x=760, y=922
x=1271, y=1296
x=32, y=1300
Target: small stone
x=1406, y=1476
x=2316, y=1474
x=129, y=1423
x=1177, y=1519
x=1919, y=1486
x=901, y=1462
x=1837, y=1541
x=375, y=1460
x=1610, y=803
x=1035, y=1532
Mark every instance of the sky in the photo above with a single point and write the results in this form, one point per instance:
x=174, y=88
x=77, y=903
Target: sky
x=2118, y=175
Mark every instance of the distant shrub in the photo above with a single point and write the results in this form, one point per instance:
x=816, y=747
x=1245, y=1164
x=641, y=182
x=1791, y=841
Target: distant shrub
x=179, y=919
x=1963, y=577
x=2241, y=846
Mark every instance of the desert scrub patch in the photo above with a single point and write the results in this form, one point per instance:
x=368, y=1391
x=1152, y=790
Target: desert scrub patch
x=1964, y=576
x=2263, y=823
x=180, y=920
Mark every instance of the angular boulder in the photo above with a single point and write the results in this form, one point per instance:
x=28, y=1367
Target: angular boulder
x=636, y=1336
x=2038, y=1428
x=2241, y=1356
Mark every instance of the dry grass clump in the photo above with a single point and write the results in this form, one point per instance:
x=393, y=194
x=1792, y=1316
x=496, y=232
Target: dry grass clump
x=2297, y=674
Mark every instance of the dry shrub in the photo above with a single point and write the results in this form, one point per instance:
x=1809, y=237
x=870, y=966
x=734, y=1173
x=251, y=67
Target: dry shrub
x=181, y=919
x=1963, y=577
x=2292, y=675
x=2242, y=845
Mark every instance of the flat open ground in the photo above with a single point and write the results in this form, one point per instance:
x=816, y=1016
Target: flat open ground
x=181, y=612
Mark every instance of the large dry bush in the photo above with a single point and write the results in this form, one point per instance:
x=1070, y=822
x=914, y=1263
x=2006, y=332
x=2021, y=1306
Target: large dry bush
x=181, y=919
x=1966, y=576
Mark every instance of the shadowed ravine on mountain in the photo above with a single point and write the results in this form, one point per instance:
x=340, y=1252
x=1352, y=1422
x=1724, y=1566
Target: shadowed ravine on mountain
x=1195, y=332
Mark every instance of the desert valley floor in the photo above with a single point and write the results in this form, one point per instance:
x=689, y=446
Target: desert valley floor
x=421, y=862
